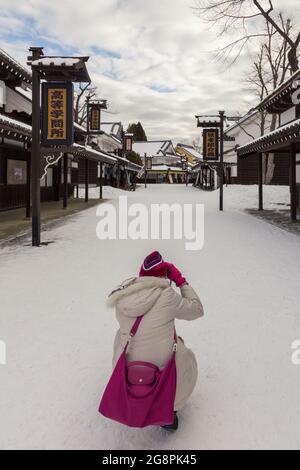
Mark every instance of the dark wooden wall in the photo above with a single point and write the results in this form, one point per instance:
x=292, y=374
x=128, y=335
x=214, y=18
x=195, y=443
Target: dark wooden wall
x=248, y=170
x=282, y=170
x=93, y=171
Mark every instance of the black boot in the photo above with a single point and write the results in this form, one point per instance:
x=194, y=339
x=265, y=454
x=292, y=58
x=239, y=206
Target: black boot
x=174, y=425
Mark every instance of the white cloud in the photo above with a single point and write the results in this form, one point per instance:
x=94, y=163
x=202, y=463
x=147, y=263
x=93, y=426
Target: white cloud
x=149, y=58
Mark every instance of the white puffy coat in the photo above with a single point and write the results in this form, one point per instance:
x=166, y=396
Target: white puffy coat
x=160, y=304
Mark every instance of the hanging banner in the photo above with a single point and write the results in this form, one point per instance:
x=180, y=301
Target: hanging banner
x=57, y=113
x=128, y=144
x=148, y=163
x=94, y=118
x=210, y=144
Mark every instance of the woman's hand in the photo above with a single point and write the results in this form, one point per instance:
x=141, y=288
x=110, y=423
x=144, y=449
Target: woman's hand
x=175, y=275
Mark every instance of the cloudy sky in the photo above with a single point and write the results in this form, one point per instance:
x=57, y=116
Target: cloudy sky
x=151, y=59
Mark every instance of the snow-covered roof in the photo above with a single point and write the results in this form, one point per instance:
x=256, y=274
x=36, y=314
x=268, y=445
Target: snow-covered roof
x=278, y=136
x=63, y=68
x=79, y=127
x=166, y=168
x=152, y=148
x=15, y=124
x=13, y=66
x=128, y=164
x=57, y=61
x=191, y=150
x=27, y=93
x=248, y=116
x=97, y=153
x=111, y=128
x=280, y=91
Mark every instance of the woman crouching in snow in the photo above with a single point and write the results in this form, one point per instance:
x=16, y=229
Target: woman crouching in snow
x=151, y=296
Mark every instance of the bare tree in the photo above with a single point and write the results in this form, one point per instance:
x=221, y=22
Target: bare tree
x=84, y=92
x=242, y=17
x=269, y=70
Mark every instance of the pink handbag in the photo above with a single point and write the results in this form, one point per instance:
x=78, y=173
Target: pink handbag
x=139, y=394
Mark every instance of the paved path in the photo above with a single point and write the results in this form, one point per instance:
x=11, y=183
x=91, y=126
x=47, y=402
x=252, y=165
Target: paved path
x=59, y=334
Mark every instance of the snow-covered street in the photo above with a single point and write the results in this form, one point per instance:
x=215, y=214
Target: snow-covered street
x=59, y=333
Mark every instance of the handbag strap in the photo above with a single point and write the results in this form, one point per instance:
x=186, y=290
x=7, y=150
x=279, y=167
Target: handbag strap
x=135, y=327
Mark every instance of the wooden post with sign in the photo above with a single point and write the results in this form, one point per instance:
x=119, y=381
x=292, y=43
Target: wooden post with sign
x=94, y=115
x=55, y=118
x=37, y=52
x=213, y=147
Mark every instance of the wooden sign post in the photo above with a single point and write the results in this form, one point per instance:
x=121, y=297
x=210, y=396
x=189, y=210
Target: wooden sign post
x=94, y=115
x=212, y=149
x=56, y=126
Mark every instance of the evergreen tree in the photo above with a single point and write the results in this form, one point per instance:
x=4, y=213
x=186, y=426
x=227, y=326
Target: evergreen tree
x=138, y=132
x=134, y=158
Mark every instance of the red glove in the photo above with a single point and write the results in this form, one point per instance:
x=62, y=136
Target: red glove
x=175, y=275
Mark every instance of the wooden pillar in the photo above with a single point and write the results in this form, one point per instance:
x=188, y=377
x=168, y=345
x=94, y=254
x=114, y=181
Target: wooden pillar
x=65, y=182
x=293, y=187
x=260, y=182
x=37, y=52
x=101, y=181
x=118, y=175
x=28, y=184
x=221, y=197
x=58, y=180
x=86, y=178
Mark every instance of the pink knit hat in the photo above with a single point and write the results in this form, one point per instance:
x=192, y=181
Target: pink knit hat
x=154, y=265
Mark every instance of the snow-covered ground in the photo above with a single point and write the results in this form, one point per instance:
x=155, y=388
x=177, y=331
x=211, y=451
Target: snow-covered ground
x=59, y=333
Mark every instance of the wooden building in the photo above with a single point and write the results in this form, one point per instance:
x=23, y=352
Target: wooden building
x=189, y=153
x=275, y=167
x=80, y=163
x=283, y=142
x=167, y=164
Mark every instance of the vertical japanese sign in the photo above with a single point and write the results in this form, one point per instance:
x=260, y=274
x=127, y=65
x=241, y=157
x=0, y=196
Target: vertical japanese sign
x=148, y=163
x=210, y=144
x=128, y=144
x=57, y=113
x=94, y=120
